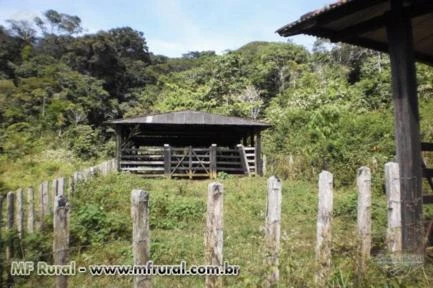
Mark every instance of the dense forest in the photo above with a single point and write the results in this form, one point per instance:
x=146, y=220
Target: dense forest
x=329, y=107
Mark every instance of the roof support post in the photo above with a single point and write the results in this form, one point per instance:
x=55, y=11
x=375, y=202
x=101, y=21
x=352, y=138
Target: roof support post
x=118, y=146
x=167, y=161
x=258, y=151
x=407, y=135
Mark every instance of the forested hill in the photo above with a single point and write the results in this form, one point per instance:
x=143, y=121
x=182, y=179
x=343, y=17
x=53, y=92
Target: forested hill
x=331, y=108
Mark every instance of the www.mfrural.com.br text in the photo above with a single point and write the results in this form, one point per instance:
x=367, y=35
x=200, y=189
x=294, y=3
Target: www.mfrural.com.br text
x=22, y=268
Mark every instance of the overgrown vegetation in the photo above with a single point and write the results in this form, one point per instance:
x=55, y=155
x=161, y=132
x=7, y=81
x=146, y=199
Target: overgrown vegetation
x=330, y=109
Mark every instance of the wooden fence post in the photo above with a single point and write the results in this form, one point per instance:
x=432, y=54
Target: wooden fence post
x=20, y=212
x=10, y=226
x=43, y=188
x=324, y=225
x=30, y=210
x=61, y=237
x=364, y=216
x=60, y=186
x=273, y=215
x=1, y=241
x=214, y=233
x=392, y=187
x=140, y=234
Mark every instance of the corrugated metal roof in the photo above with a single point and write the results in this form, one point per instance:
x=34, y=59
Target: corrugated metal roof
x=190, y=118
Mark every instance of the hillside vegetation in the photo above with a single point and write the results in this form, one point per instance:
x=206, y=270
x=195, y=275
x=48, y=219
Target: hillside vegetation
x=330, y=108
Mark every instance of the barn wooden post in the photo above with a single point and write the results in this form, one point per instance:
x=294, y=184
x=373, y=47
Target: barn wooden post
x=324, y=224
x=258, y=146
x=392, y=187
x=273, y=216
x=406, y=114
x=118, y=147
x=30, y=210
x=140, y=234
x=167, y=160
x=213, y=161
x=364, y=216
x=214, y=232
x=61, y=237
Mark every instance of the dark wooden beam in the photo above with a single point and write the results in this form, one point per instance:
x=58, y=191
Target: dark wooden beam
x=258, y=146
x=428, y=147
x=406, y=115
x=118, y=146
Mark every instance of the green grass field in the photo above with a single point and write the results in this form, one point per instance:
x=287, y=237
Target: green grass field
x=101, y=234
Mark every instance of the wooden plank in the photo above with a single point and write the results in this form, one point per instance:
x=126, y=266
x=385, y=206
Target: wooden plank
x=427, y=173
x=142, y=162
x=142, y=168
x=324, y=224
x=230, y=169
x=231, y=163
x=140, y=234
x=272, y=236
x=244, y=163
x=427, y=146
x=392, y=187
x=404, y=87
x=427, y=199
x=364, y=217
x=61, y=237
x=214, y=232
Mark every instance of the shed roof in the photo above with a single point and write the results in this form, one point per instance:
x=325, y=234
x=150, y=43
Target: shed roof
x=189, y=117
x=363, y=23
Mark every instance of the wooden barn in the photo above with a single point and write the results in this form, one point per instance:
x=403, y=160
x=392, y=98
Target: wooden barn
x=189, y=144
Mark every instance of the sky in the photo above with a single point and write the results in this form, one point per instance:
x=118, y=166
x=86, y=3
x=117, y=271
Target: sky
x=175, y=27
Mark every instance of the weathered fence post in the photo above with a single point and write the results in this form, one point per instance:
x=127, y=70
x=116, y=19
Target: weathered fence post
x=20, y=212
x=273, y=215
x=30, y=210
x=60, y=188
x=324, y=224
x=214, y=233
x=167, y=160
x=140, y=234
x=43, y=188
x=10, y=226
x=364, y=216
x=213, y=161
x=1, y=241
x=392, y=187
x=61, y=237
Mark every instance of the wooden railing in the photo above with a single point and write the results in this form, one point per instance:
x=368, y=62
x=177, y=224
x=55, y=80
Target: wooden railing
x=188, y=161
